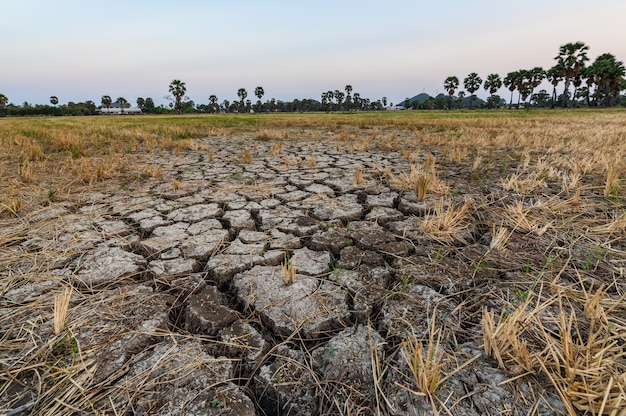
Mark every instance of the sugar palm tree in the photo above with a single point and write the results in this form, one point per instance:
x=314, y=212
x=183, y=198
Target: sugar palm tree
x=106, y=101
x=339, y=97
x=122, y=101
x=571, y=61
x=348, y=90
x=450, y=85
x=554, y=75
x=54, y=100
x=242, y=94
x=492, y=84
x=536, y=77
x=213, y=102
x=259, y=92
x=178, y=89
x=511, y=81
x=472, y=83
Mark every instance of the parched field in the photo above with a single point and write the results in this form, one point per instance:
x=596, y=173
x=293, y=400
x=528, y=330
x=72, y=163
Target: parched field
x=390, y=263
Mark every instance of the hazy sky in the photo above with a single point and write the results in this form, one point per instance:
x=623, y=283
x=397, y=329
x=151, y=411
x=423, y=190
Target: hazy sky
x=82, y=50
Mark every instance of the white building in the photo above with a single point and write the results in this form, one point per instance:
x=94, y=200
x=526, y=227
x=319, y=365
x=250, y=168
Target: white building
x=118, y=110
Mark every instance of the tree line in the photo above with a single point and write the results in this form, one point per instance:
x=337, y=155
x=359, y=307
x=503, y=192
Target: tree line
x=597, y=84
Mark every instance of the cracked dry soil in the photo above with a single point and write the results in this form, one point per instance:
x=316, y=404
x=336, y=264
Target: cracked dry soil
x=179, y=306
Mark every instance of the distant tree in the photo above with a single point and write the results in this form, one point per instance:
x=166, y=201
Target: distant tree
x=384, y=101
x=259, y=92
x=106, y=101
x=226, y=105
x=406, y=103
x=511, y=81
x=609, y=75
x=213, y=102
x=122, y=102
x=522, y=84
x=554, y=75
x=535, y=78
x=339, y=97
x=570, y=62
x=472, y=83
x=450, y=85
x=348, y=90
x=178, y=89
x=356, y=100
x=541, y=98
x=54, y=100
x=492, y=84
x=242, y=94
x=3, y=103
x=141, y=103
x=148, y=105
x=460, y=99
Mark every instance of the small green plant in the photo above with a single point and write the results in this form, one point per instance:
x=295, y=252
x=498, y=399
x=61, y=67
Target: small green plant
x=329, y=352
x=215, y=403
x=438, y=255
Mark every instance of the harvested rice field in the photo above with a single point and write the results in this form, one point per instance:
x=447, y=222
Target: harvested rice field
x=405, y=263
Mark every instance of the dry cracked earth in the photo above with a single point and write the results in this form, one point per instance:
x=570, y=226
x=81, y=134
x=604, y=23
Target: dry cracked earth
x=179, y=302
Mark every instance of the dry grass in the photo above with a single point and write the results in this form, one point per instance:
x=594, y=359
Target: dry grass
x=448, y=224
x=579, y=353
x=358, y=176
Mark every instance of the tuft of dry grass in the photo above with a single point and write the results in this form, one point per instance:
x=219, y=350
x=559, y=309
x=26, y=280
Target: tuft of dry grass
x=277, y=148
x=611, y=179
x=246, y=156
x=358, y=176
x=448, y=224
x=421, y=186
x=61, y=302
x=420, y=180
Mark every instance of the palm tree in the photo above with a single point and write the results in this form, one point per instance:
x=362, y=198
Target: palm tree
x=122, y=101
x=357, y=101
x=384, y=101
x=348, y=90
x=523, y=85
x=141, y=103
x=54, y=100
x=242, y=94
x=213, y=102
x=492, y=84
x=450, y=84
x=511, y=81
x=554, y=75
x=571, y=61
x=339, y=97
x=259, y=92
x=178, y=90
x=536, y=77
x=472, y=83
x=106, y=101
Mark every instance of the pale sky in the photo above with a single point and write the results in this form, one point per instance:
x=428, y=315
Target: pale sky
x=82, y=50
